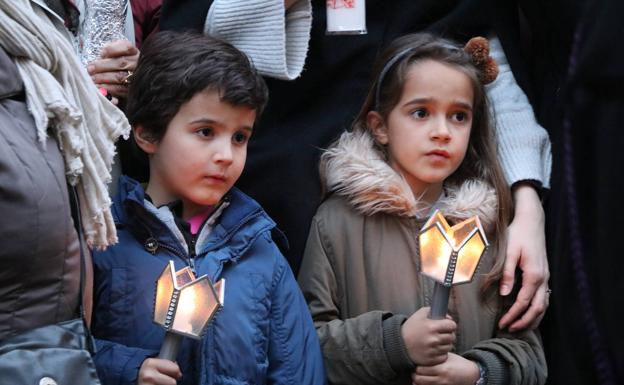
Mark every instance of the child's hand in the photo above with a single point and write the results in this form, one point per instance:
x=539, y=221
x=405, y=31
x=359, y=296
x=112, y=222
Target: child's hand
x=456, y=370
x=428, y=341
x=156, y=371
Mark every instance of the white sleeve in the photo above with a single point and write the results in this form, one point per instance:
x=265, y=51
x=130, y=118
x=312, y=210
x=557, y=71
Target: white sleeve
x=523, y=145
x=276, y=41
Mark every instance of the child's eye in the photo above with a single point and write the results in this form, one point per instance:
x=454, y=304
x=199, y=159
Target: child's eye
x=420, y=113
x=240, y=138
x=460, y=117
x=205, y=132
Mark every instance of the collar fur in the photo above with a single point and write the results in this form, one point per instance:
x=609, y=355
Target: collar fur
x=353, y=168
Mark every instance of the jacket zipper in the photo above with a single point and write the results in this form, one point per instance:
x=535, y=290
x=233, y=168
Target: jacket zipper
x=192, y=254
x=190, y=260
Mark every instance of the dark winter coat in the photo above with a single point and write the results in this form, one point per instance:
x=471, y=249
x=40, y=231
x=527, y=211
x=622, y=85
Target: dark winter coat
x=263, y=334
x=577, y=67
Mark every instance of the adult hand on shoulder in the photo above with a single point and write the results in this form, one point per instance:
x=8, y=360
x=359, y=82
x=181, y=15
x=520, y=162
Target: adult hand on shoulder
x=456, y=370
x=428, y=341
x=156, y=371
x=526, y=249
x=118, y=61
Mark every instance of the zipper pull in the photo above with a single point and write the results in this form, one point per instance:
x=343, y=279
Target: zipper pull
x=192, y=265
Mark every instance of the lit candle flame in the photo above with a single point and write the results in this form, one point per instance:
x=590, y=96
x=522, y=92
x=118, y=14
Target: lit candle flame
x=450, y=255
x=185, y=305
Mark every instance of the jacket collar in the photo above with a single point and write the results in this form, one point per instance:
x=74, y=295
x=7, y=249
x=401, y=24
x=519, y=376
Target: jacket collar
x=354, y=169
x=238, y=226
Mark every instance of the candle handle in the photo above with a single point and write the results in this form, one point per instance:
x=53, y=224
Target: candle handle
x=170, y=347
x=439, y=302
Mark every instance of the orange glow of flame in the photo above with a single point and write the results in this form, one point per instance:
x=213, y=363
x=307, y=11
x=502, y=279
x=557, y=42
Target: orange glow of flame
x=438, y=242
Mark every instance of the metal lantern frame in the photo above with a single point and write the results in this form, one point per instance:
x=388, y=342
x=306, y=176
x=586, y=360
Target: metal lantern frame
x=174, y=290
x=445, y=250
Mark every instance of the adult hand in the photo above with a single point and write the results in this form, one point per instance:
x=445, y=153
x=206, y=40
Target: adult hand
x=118, y=61
x=428, y=341
x=526, y=249
x=156, y=371
x=456, y=370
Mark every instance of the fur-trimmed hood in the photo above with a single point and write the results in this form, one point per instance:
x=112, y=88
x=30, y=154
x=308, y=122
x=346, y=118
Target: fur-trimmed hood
x=355, y=169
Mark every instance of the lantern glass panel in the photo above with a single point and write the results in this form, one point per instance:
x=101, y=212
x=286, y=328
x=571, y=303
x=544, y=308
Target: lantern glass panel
x=435, y=252
x=468, y=258
x=437, y=217
x=184, y=276
x=195, y=308
x=462, y=230
x=164, y=291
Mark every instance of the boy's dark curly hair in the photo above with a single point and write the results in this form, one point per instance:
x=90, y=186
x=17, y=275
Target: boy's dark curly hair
x=175, y=66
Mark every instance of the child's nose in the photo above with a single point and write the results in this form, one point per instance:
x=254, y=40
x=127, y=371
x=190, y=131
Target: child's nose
x=224, y=154
x=441, y=130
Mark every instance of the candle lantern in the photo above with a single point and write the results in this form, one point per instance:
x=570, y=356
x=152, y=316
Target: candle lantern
x=184, y=306
x=449, y=255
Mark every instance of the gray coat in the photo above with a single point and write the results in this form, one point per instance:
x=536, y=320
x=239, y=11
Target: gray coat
x=39, y=249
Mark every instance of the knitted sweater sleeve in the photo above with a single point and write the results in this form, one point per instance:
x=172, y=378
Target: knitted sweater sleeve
x=524, y=146
x=275, y=40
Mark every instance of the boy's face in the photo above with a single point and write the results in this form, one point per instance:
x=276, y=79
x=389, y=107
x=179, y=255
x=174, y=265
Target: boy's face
x=202, y=153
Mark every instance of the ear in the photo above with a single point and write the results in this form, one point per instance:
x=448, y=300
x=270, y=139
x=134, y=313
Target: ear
x=143, y=141
x=375, y=122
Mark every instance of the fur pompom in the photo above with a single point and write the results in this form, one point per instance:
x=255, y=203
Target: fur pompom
x=489, y=71
x=479, y=50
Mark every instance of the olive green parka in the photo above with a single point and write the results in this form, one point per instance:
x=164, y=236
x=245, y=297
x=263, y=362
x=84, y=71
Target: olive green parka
x=361, y=275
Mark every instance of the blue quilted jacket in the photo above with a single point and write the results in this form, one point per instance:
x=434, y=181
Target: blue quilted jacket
x=263, y=334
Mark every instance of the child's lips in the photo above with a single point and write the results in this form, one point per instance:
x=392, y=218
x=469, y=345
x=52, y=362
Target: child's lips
x=217, y=178
x=439, y=153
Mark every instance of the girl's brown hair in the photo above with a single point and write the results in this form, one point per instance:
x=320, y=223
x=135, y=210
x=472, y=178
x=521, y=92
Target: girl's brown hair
x=481, y=161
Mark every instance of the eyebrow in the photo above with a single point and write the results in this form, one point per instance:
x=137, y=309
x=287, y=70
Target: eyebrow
x=212, y=121
x=429, y=100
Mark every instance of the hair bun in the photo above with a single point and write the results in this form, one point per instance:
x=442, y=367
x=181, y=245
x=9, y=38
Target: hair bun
x=479, y=50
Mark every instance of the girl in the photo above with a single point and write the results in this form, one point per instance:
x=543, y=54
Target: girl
x=421, y=141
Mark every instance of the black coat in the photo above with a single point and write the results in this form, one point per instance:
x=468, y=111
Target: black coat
x=578, y=74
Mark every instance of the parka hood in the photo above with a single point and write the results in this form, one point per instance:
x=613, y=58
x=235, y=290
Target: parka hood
x=356, y=170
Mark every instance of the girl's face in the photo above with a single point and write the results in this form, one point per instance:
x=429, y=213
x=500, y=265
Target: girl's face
x=427, y=132
x=202, y=153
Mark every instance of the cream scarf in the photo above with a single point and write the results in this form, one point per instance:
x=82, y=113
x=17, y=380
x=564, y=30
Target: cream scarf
x=61, y=96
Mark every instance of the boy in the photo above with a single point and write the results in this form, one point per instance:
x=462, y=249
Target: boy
x=193, y=103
